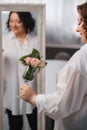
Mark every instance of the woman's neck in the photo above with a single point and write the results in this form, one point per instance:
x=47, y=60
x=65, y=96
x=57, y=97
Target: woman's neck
x=21, y=37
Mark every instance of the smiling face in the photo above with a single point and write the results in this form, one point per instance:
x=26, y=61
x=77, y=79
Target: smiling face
x=15, y=24
x=80, y=28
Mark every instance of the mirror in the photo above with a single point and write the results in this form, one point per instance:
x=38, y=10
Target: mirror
x=38, y=13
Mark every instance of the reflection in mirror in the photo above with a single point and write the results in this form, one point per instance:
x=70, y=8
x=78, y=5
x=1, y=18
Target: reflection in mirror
x=18, y=41
x=20, y=34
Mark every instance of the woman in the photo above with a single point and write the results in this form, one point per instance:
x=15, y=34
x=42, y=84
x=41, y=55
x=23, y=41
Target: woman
x=18, y=42
x=68, y=105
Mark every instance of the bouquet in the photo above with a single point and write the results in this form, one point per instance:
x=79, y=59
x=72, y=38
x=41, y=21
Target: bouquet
x=33, y=63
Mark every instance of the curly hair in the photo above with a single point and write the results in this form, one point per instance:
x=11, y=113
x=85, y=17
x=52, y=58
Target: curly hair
x=27, y=20
x=82, y=10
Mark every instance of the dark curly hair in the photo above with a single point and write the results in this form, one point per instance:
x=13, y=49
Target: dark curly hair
x=82, y=10
x=27, y=20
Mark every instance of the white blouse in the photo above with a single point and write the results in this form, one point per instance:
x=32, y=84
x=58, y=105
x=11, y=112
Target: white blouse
x=68, y=105
x=13, y=71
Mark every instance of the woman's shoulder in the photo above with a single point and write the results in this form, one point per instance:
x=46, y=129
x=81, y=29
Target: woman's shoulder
x=7, y=40
x=84, y=47
x=32, y=36
x=8, y=36
x=83, y=51
x=83, y=59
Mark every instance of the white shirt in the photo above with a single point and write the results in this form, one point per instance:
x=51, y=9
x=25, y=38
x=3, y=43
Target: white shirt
x=68, y=105
x=13, y=71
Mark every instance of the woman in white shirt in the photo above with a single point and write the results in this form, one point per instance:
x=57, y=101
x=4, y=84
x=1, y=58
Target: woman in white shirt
x=18, y=42
x=68, y=105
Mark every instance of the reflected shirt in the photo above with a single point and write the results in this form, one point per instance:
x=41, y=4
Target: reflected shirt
x=13, y=71
x=68, y=105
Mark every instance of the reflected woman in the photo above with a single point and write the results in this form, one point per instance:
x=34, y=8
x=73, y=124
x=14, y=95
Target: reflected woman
x=19, y=41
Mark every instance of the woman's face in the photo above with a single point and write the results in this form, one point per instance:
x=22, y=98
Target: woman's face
x=15, y=24
x=81, y=30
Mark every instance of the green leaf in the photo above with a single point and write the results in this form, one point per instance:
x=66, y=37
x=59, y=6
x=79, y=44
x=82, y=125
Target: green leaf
x=22, y=59
x=30, y=72
x=35, y=53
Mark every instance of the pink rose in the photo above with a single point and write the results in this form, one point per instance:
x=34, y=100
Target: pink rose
x=41, y=64
x=28, y=60
x=34, y=62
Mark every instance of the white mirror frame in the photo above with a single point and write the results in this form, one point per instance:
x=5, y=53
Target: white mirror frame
x=41, y=39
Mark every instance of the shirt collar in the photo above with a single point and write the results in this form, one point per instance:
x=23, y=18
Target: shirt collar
x=12, y=35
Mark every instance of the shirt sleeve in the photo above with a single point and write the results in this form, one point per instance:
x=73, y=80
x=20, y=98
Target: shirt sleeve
x=71, y=89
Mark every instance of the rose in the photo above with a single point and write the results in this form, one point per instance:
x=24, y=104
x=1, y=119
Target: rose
x=34, y=62
x=28, y=60
x=41, y=64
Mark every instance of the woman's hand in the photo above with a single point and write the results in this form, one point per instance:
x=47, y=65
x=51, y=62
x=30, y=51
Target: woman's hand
x=27, y=94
